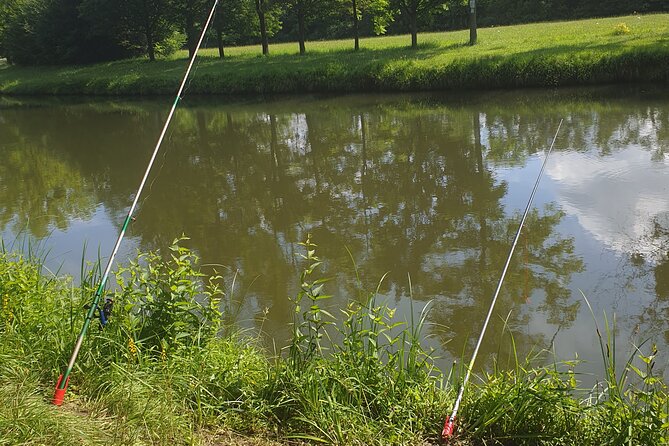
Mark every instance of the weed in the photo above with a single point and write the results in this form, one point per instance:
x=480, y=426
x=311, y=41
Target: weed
x=375, y=386
x=627, y=410
x=621, y=29
x=160, y=301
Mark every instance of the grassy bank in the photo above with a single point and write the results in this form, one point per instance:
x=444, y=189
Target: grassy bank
x=166, y=370
x=622, y=49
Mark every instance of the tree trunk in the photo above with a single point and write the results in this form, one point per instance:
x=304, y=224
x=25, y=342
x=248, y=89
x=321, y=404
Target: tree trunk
x=191, y=37
x=263, y=26
x=150, y=46
x=414, y=31
x=356, y=31
x=300, y=25
x=472, y=22
x=219, y=40
x=483, y=224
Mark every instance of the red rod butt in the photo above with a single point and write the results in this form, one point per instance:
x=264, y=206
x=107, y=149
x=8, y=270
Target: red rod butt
x=449, y=427
x=59, y=394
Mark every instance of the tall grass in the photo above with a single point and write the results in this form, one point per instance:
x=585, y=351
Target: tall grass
x=545, y=54
x=375, y=386
x=162, y=372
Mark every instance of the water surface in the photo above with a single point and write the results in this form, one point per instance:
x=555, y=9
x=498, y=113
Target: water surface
x=427, y=189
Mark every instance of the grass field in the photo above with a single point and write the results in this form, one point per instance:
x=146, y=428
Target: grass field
x=544, y=55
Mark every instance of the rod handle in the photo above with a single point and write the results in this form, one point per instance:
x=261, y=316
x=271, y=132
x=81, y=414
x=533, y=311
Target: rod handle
x=59, y=394
x=449, y=428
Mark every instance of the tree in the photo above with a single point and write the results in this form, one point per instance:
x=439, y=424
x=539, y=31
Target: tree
x=378, y=12
x=472, y=22
x=190, y=14
x=7, y=11
x=14, y=24
x=417, y=12
x=261, y=7
x=150, y=18
x=234, y=21
x=305, y=10
x=267, y=11
x=28, y=25
x=139, y=26
x=50, y=31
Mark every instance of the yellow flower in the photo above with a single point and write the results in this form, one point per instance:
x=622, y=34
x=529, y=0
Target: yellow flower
x=5, y=309
x=133, y=348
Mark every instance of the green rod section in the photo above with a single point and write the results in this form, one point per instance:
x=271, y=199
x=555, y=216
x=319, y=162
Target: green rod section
x=94, y=306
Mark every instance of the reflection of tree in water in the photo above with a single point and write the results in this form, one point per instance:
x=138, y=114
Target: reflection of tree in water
x=40, y=189
x=409, y=186
x=400, y=198
x=477, y=250
x=68, y=159
x=654, y=318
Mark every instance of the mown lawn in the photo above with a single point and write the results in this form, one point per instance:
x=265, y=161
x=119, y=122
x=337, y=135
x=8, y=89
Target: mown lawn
x=541, y=54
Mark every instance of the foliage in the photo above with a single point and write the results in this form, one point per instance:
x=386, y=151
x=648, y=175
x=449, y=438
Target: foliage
x=150, y=19
x=376, y=385
x=364, y=381
x=234, y=22
x=189, y=15
x=160, y=303
x=54, y=32
x=76, y=31
x=305, y=14
x=626, y=413
x=7, y=11
x=417, y=14
x=170, y=45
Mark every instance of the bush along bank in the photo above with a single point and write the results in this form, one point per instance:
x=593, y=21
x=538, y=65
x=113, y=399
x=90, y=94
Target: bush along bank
x=166, y=369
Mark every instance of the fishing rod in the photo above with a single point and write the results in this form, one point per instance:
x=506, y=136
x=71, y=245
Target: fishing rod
x=105, y=311
x=449, y=424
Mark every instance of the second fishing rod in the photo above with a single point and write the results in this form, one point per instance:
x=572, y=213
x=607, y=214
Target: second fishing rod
x=449, y=424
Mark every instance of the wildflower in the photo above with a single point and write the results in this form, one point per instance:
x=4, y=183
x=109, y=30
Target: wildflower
x=132, y=348
x=6, y=309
